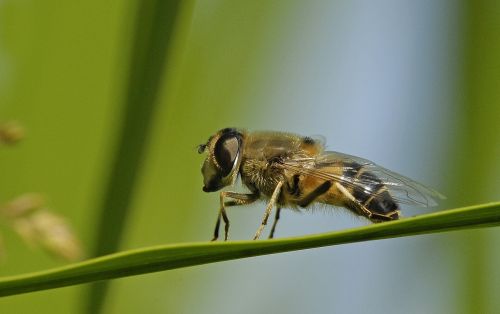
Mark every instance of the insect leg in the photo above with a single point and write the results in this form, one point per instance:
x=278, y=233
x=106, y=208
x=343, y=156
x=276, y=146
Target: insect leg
x=381, y=205
x=276, y=218
x=222, y=214
x=238, y=199
x=217, y=225
x=363, y=209
x=359, y=206
x=293, y=187
x=309, y=198
x=269, y=208
x=394, y=215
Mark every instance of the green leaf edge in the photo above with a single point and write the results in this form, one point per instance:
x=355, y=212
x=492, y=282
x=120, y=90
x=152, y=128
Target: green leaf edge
x=164, y=257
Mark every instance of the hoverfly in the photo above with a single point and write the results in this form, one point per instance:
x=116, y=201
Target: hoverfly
x=294, y=171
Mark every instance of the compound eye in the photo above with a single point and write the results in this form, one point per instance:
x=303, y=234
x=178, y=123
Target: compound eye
x=226, y=151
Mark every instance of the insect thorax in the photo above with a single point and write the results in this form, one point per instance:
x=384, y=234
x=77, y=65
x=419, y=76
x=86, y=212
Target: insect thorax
x=260, y=175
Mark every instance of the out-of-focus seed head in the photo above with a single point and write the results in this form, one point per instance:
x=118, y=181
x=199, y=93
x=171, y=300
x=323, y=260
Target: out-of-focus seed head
x=11, y=133
x=40, y=227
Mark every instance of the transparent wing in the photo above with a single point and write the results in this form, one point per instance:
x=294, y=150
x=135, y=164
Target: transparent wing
x=355, y=172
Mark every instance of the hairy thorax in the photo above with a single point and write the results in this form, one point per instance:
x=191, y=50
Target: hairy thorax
x=260, y=176
x=260, y=169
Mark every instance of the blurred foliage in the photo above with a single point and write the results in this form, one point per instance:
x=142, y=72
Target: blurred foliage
x=38, y=226
x=60, y=71
x=69, y=65
x=477, y=174
x=30, y=218
x=153, y=30
x=10, y=133
x=64, y=68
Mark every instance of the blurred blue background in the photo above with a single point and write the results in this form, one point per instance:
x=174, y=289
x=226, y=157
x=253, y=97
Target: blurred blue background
x=411, y=85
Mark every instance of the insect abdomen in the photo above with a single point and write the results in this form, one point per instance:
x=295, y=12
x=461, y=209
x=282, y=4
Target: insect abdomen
x=372, y=198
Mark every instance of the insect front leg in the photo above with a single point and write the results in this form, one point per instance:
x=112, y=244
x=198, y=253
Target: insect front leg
x=238, y=199
x=272, y=201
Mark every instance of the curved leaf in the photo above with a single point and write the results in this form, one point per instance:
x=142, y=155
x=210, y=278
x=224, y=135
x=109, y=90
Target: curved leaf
x=153, y=259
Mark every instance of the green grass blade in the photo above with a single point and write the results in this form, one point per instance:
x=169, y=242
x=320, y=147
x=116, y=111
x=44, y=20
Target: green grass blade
x=155, y=23
x=153, y=32
x=480, y=111
x=153, y=259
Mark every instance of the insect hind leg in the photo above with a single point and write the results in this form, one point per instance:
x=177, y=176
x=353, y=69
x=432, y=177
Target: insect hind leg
x=381, y=206
x=374, y=209
x=305, y=201
x=372, y=215
x=376, y=217
x=320, y=190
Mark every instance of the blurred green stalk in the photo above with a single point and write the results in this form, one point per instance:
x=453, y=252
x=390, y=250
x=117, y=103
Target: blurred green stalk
x=154, y=26
x=479, y=149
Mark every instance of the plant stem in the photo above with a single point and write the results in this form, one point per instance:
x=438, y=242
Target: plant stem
x=153, y=259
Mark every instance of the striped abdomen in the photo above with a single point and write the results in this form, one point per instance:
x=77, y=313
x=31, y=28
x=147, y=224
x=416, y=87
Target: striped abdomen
x=371, y=196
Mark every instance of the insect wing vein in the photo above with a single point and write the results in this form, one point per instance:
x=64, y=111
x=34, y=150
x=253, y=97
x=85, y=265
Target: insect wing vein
x=403, y=189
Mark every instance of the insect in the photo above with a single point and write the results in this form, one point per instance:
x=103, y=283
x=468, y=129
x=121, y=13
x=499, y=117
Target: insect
x=294, y=171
